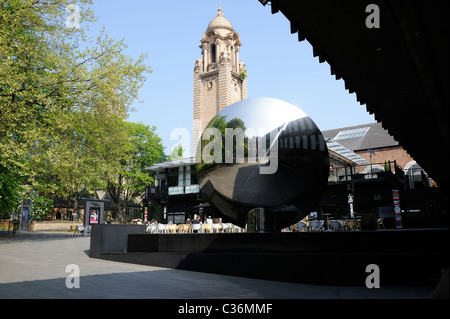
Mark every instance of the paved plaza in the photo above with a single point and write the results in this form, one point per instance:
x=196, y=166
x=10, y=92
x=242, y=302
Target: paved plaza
x=33, y=265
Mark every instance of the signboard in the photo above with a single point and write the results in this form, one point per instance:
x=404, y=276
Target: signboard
x=145, y=214
x=25, y=216
x=350, y=198
x=93, y=214
x=397, y=209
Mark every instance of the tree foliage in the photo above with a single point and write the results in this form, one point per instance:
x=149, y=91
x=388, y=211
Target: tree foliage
x=41, y=206
x=131, y=177
x=10, y=192
x=63, y=100
x=177, y=152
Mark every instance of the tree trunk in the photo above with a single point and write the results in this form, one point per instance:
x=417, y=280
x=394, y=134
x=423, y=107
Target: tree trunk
x=76, y=208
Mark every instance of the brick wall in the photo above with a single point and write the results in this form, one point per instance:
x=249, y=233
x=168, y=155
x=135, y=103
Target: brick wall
x=54, y=226
x=396, y=153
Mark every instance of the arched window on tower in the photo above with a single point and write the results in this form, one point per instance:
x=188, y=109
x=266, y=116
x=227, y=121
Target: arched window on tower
x=213, y=53
x=233, y=62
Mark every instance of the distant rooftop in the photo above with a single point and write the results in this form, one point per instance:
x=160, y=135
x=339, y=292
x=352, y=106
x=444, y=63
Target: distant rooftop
x=337, y=148
x=160, y=167
x=361, y=137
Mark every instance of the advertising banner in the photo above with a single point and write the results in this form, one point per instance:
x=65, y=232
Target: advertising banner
x=397, y=209
x=93, y=212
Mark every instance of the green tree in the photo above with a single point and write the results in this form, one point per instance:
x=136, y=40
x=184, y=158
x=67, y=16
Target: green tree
x=37, y=62
x=177, y=152
x=41, y=206
x=220, y=123
x=131, y=178
x=10, y=192
x=63, y=99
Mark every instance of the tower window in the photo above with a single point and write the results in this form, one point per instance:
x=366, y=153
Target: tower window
x=213, y=53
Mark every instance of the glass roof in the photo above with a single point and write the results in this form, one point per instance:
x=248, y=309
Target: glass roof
x=359, y=132
x=345, y=152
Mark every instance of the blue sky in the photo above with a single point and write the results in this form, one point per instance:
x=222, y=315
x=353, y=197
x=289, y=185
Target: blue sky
x=278, y=66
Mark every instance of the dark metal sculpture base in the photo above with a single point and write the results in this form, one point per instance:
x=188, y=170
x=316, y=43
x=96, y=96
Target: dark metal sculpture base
x=406, y=257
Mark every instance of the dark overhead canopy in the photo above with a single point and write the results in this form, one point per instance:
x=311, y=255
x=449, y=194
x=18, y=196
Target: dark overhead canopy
x=399, y=71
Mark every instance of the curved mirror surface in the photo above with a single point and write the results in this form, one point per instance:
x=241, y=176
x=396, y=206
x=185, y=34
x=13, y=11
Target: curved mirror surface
x=262, y=153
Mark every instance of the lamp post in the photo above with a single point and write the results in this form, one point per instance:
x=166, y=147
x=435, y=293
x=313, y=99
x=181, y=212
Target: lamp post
x=350, y=193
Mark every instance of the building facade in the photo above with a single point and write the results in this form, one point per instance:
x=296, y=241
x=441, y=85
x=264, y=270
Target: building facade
x=373, y=143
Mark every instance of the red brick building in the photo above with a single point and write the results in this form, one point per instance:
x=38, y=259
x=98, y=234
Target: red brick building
x=373, y=143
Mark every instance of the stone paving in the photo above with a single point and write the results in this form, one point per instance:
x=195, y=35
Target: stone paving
x=33, y=265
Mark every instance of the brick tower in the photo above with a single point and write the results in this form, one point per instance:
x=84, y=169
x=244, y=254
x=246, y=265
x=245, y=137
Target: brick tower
x=219, y=75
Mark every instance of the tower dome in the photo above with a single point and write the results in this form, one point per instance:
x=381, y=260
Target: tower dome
x=217, y=74
x=220, y=22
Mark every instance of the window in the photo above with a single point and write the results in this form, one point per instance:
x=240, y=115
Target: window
x=173, y=175
x=183, y=179
x=359, y=132
x=313, y=142
x=213, y=53
x=180, y=176
x=188, y=176
x=321, y=143
x=305, y=142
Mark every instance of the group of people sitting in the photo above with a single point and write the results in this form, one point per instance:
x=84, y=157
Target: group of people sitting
x=196, y=221
x=194, y=225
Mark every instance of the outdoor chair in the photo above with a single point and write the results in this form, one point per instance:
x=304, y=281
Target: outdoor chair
x=335, y=225
x=217, y=227
x=79, y=230
x=343, y=224
x=226, y=227
x=351, y=224
x=300, y=226
x=315, y=226
x=82, y=229
x=207, y=228
x=195, y=227
x=161, y=228
x=184, y=228
x=358, y=224
x=354, y=224
x=151, y=228
x=172, y=228
x=380, y=223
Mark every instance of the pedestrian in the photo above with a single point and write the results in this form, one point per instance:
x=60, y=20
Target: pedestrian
x=196, y=221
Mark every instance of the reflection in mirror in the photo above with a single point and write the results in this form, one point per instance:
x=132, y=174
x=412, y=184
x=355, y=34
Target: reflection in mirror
x=263, y=154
